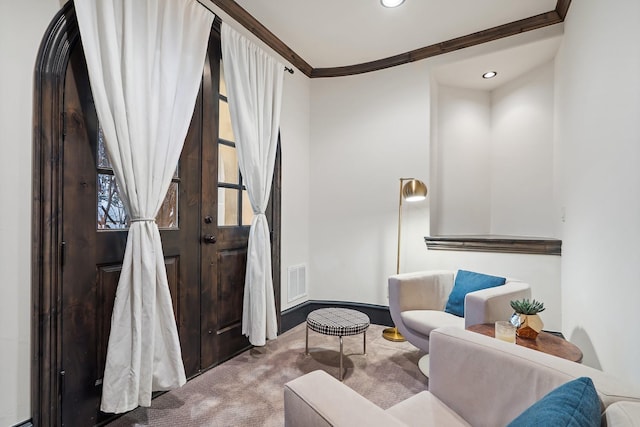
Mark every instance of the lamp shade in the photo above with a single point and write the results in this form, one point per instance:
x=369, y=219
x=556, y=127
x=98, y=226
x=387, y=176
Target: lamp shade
x=414, y=190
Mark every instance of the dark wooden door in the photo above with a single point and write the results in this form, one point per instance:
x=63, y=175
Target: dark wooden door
x=204, y=230
x=226, y=219
x=225, y=223
x=94, y=235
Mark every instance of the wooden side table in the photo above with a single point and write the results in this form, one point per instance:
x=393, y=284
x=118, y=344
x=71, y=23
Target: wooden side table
x=545, y=342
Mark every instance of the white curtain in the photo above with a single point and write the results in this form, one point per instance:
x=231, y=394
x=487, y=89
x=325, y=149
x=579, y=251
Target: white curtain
x=145, y=60
x=254, y=85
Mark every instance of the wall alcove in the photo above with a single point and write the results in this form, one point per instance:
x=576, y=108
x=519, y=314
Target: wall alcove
x=493, y=175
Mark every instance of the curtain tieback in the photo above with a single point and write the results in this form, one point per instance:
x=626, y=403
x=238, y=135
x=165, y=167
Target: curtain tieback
x=142, y=220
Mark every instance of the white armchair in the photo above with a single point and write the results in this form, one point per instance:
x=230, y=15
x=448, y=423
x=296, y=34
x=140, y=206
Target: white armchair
x=417, y=302
x=476, y=381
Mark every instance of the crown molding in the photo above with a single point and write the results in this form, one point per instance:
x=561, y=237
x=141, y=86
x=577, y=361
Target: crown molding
x=245, y=19
x=562, y=7
x=484, y=36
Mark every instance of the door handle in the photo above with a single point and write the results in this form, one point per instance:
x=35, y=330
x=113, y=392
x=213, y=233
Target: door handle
x=209, y=238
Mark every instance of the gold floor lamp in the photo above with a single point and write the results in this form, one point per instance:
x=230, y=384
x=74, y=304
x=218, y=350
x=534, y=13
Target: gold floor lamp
x=411, y=190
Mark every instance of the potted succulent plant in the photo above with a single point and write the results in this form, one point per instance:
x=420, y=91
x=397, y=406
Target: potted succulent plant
x=526, y=320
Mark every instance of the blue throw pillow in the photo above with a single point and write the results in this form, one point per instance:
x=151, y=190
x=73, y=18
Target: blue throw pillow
x=468, y=281
x=575, y=403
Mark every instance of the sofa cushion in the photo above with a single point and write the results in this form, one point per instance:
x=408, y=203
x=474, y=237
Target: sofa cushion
x=317, y=399
x=469, y=281
x=623, y=414
x=575, y=403
x=424, y=321
x=424, y=409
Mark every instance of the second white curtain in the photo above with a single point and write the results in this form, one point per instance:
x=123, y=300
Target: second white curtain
x=145, y=61
x=254, y=84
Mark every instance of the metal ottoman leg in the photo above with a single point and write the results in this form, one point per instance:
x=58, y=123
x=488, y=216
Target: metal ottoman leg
x=306, y=342
x=340, y=357
x=364, y=343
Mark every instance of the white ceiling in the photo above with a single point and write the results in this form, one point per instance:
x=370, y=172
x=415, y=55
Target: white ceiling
x=332, y=33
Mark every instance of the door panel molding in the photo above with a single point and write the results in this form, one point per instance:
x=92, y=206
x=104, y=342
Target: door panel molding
x=232, y=264
x=107, y=283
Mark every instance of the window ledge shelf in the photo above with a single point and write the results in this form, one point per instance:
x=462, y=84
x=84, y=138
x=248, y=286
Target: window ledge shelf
x=493, y=243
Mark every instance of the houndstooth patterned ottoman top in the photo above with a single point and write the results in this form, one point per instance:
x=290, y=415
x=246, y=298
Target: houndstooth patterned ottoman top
x=337, y=321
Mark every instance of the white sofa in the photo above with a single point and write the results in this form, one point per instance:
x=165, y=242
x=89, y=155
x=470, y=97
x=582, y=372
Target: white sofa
x=417, y=302
x=475, y=381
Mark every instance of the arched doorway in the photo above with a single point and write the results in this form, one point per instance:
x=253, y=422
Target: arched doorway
x=79, y=236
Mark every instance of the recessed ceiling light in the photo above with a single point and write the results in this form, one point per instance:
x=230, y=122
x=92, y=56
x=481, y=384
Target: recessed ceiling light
x=489, y=75
x=391, y=3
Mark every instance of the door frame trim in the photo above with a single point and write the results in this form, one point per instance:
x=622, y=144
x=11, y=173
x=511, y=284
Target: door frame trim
x=47, y=249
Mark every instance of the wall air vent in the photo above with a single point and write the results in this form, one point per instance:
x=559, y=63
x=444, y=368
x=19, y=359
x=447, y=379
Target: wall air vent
x=297, y=282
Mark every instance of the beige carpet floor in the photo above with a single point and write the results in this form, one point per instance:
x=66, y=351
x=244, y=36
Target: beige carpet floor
x=248, y=389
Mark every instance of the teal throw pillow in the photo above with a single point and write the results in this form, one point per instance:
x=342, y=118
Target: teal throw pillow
x=574, y=404
x=469, y=281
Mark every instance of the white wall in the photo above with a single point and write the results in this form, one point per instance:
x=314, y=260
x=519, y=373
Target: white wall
x=463, y=184
x=295, y=134
x=598, y=133
x=367, y=131
x=522, y=178
x=522, y=173
x=22, y=25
